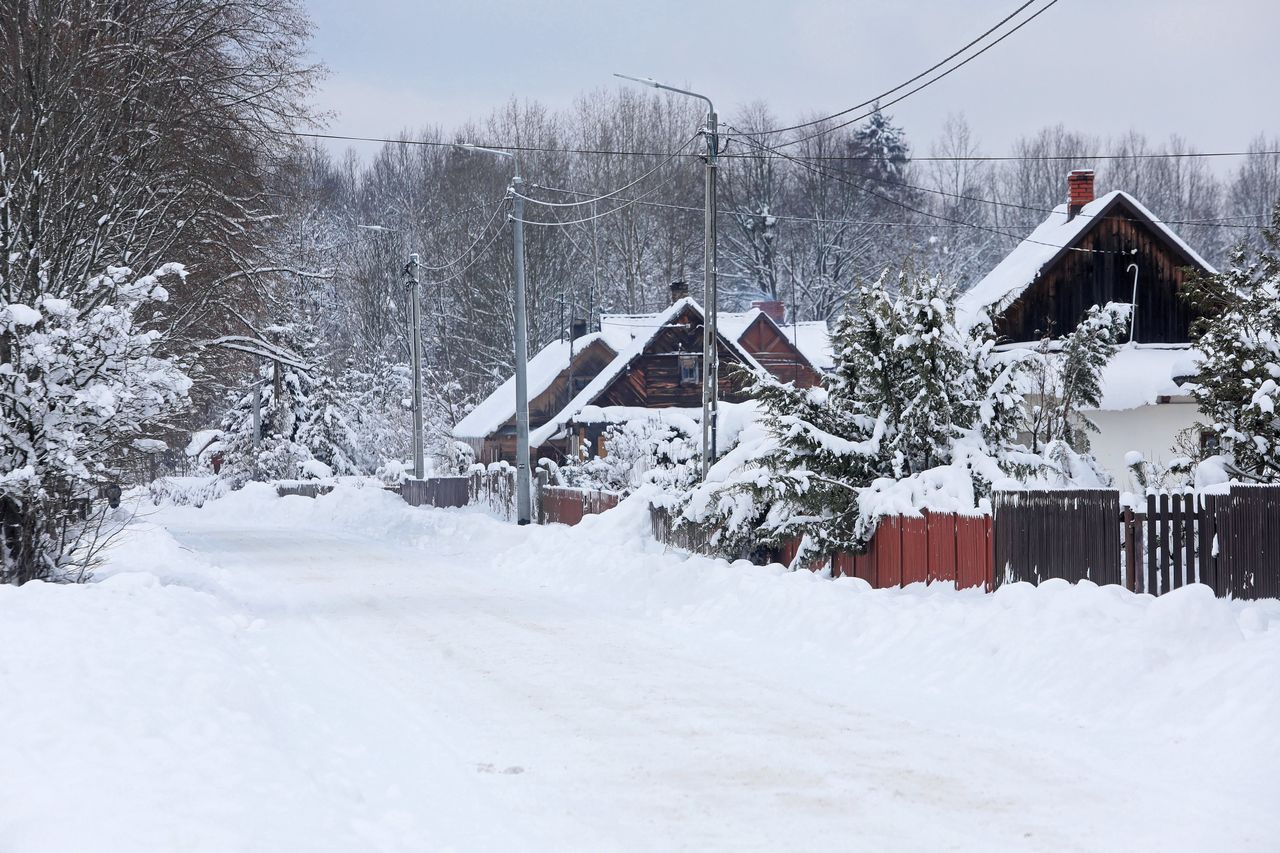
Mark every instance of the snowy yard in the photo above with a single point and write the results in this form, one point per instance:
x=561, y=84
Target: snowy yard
x=351, y=674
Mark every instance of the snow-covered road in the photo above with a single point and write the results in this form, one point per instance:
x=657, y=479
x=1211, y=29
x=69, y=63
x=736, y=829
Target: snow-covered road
x=350, y=674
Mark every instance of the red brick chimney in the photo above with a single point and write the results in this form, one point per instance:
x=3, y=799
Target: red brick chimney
x=679, y=290
x=1079, y=191
x=775, y=309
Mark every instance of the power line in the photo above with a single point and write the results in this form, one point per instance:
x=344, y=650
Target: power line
x=903, y=84
x=613, y=153
x=615, y=192
x=1029, y=158
x=637, y=200
x=923, y=85
x=1211, y=223
x=484, y=228
x=840, y=179
x=827, y=220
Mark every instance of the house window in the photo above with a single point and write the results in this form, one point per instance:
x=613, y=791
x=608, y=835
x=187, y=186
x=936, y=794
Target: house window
x=690, y=369
x=1210, y=445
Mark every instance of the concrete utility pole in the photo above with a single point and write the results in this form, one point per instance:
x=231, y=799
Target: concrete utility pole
x=524, y=486
x=524, y=509
x=710, y=296
x=415, y=348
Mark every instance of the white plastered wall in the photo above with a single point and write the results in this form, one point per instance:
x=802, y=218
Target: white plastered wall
x=1151, y=430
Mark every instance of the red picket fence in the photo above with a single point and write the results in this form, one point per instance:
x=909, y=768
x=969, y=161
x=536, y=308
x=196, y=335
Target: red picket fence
x=933, y=547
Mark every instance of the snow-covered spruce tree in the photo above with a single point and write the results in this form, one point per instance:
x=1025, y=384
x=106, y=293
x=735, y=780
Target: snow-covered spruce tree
x=1238, y=331
x=303, y=417
x=911, y=391
x=1065, y=377
x=78, y=382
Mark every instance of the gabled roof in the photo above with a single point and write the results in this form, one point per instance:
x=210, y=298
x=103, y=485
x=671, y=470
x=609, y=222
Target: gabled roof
x=646, y=327
x=810, y=337
x=1050, y=240
x=500, y=406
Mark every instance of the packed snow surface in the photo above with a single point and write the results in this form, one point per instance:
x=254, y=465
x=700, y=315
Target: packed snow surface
x=352, y=674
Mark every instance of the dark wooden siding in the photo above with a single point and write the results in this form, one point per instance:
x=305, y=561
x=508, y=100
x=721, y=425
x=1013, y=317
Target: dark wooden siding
x=777, y=354
x=1077, y=280
x=653, y=378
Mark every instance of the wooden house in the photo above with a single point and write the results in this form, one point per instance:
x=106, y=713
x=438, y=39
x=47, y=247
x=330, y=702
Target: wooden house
x=555, y=375
x=1091, y=251
x=662, y=369
x=777, y=347
x=654, y=361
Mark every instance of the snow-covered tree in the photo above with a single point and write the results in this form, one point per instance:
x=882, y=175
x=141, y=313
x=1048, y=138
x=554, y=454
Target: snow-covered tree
x=79, y=383
x=1238, y=385
x=1065, y=378
x=911, y=391
x=642, y=450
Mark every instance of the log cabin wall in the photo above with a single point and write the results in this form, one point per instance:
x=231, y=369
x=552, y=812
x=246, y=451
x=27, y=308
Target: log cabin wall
x=1076, y=281
x=653, y=379
x=777, y=354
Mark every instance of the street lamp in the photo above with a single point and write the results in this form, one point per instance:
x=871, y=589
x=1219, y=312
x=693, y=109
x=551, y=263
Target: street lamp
x=524, y=509
x=710, y=362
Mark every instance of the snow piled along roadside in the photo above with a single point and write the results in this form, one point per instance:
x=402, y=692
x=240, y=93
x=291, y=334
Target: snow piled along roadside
x=154, y=709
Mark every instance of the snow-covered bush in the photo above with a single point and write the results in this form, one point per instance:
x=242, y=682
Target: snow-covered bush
x=1238, y=331
x=186, y=491
x=640, y=450
x=78, y=383
x=1150, y=475
x=303, y=416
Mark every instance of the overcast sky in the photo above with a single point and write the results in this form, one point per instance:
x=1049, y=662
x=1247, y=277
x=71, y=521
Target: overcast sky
x=1206, y=70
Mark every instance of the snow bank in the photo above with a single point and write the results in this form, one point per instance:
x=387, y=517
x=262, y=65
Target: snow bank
x=192, y=703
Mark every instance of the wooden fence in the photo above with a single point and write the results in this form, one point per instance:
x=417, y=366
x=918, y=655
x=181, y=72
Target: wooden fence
x=437, y=491
x=495, y=489
x=1057, y=533
x=1229, y=542
x=564, y=505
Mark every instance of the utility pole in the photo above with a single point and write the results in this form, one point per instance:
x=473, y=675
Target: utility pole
x=710, y=364
x=415, y=349
x=524, y=510
x=710, y=360
x=524, y=487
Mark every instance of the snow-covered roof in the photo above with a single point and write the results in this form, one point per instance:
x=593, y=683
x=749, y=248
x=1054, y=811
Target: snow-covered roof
x=813, y=339
x=1138, y=374
x=810, y=337
x=645, y=327
x=1021, y=267
x=200, y=441
x=500, y=406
